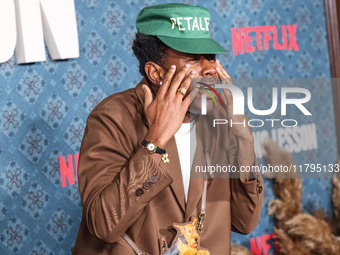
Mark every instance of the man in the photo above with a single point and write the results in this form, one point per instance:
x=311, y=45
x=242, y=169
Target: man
x=134, y=162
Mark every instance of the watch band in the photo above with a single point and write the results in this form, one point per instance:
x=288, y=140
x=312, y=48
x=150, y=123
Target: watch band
x=158, y=150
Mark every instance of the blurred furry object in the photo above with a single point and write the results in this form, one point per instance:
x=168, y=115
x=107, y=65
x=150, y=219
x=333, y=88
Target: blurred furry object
x=287, y=245
x=288, y=190
x=275, y=156
x=297, y=232
x=237, y=249
x=314, y=233
x=336, y=202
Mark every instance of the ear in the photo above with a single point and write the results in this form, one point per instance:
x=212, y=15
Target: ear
x=179, y=227
x=154, y=72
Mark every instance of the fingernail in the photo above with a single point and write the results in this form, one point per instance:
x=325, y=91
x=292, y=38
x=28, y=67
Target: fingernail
x=143, y=87
x=193, y=71
x=187, y=65
x=173, y=66
x=218, y=69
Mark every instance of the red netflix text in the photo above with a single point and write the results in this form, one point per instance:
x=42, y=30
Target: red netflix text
x=283, y=39
x=67, y=171
x=262, y=245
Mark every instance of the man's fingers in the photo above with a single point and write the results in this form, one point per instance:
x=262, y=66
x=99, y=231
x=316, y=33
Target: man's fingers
x=177, y=80
x=228, y=96
x=190, y=97
x=220, y=73
x=191, y=94
x=166, y=81
x=227, y=99
x=186, y=84
x=223, y=77
x=148, y=96
x=224, y=72
x=223, y=98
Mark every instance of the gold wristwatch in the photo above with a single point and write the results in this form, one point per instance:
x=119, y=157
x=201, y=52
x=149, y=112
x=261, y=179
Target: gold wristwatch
x=153, y=148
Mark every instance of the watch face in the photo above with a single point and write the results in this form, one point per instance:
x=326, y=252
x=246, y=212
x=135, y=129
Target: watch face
x=151, y=147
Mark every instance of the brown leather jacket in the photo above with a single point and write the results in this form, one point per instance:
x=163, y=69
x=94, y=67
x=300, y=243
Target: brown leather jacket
x=113, y=166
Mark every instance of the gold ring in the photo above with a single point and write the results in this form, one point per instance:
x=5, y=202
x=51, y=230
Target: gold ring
x=183, y=91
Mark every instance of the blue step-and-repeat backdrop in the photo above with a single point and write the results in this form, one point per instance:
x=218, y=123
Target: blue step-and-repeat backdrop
x=44, y=107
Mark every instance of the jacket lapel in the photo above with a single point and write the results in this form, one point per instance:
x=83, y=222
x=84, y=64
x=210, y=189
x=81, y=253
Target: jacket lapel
x=194, y=197
x=196, y=184
x=173, y=167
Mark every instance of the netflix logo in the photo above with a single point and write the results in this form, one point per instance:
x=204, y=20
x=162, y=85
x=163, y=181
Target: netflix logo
x=265, y=245
x=266, y=37
x=68, y=170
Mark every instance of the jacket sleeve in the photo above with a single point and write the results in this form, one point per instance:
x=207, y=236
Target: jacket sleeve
x=246, y=203
x=112, y=170
x=246, y=197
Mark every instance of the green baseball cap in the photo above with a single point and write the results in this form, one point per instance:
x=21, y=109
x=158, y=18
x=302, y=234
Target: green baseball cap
x=182, y=27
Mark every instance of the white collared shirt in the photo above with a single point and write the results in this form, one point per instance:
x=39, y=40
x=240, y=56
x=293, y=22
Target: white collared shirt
x=186, y=152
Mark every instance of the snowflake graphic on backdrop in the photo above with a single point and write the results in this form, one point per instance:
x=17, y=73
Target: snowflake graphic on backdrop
x=34, y=144
x=11, y=119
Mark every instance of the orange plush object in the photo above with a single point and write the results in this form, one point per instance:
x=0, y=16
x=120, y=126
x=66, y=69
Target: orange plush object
x=186, y=241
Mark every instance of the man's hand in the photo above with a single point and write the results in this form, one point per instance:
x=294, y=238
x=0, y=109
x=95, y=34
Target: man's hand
x=245, y=139
x=165, y=113
x=241, y=131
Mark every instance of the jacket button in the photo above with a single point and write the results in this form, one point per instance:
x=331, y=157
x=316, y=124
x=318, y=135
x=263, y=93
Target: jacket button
x=146, y=185
x=153, y=179
x=260, y=189
x=139, y=192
